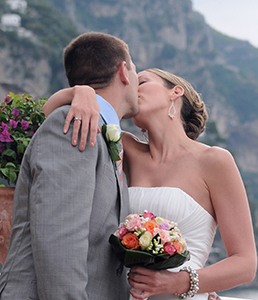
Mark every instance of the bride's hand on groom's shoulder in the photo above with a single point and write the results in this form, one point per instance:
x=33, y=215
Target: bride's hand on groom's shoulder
x=85, y=113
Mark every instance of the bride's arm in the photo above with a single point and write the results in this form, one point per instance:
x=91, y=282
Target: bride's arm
x=84, y=106
x=62, y=97
x=233, y=216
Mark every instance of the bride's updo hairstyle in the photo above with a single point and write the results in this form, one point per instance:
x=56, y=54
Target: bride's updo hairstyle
x=193, y=112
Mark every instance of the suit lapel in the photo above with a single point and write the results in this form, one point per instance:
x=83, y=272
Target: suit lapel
x=115, y=170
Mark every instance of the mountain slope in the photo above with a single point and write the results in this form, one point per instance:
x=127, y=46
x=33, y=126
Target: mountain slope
x=169, y=35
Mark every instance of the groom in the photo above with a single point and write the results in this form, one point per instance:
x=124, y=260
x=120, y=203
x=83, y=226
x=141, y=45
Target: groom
x=68, y=202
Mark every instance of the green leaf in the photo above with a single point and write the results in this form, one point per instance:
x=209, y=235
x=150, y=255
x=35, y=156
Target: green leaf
x=26, y=142
x=3, y=117
x=9, y=152
x=104, y=130
x=13, y=177
x=162, y=262
x=21, y=148
x=118, y=146
x=10, y=174
x=131, y=258
x=10, y=165
x=114, y=153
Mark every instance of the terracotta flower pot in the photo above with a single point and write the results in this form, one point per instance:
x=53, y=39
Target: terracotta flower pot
x=6, y=206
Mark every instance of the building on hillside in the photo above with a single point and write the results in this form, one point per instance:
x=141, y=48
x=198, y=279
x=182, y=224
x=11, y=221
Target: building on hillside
x=18, y=5
x=10, y=22
x=22, y=32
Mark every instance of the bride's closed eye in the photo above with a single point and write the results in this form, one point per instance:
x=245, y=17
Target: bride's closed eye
x=142, y=81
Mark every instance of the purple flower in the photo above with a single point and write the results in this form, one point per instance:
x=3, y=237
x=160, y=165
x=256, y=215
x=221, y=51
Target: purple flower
x=24, y=124
x=15, y=112
x=2, y=146
x=5, y=136
x=3, y=127
x=7, y=99
x=13, y=123
x=164, y=226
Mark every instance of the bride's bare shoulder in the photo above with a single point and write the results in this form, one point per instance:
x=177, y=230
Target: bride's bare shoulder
x=215, y=154
x=132, y=142
x=217, y=158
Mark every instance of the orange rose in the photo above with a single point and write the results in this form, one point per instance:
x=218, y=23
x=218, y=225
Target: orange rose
x=131, y=241
x=178, y=246
x=150, y=225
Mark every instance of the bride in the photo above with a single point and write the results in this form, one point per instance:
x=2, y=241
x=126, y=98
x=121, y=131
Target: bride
x=174, y=176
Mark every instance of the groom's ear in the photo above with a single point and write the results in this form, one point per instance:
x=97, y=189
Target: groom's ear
x=123, y=73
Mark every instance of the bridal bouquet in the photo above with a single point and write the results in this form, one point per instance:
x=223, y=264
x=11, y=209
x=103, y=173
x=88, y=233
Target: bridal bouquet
x=149, y=241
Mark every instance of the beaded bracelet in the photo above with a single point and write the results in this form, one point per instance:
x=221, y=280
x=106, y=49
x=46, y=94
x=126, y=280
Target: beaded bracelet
x=194, y=283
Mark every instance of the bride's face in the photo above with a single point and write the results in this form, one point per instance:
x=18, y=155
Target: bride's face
x=153, y=96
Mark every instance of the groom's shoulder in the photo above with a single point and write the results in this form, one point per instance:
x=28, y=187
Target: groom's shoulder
x=59, y=113
x=55, y=120
x=53, y=124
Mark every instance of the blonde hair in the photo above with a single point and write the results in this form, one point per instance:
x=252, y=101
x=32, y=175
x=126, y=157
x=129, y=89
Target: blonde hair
x=193, y=112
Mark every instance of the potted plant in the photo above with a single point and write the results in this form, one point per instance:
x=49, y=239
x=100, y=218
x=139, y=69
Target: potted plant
x=20, y=117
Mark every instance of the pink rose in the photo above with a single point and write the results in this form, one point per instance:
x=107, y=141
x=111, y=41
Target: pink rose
x=131, y=216
x=165, y=236
x=156, y=231
x=117, y=234
x=149, y=215
x=133, y=224
x=169, y=249
x=121, y=231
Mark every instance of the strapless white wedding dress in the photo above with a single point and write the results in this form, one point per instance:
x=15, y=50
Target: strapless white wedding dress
x=197, y=226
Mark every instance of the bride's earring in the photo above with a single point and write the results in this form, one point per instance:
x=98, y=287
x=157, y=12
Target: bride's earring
x=174, y=111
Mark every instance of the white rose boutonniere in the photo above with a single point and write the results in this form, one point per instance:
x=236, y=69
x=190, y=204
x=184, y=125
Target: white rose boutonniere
x=112, y=135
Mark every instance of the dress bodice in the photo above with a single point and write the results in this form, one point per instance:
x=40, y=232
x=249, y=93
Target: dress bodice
x=197, y=226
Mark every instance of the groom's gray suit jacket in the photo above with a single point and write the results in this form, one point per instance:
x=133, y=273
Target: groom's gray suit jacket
x=66, y=205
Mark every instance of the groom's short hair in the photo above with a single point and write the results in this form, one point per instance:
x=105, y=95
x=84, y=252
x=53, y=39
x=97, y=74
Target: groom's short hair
x=93, y=58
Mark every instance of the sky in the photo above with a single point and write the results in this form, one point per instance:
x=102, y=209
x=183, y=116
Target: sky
x=235, y=18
